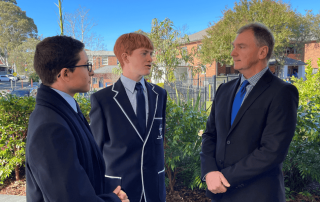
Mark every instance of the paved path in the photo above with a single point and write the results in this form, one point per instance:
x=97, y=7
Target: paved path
x=11, y=198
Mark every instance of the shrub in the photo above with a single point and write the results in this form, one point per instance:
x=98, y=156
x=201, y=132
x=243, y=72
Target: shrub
x=14, y=118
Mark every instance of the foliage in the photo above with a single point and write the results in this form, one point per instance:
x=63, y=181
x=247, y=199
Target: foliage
x=14, y=118
x=181, y=141
x=302, y=162
x=168, y=55
x=15, y=27
x=12, y=1
x=284, y=23
x=34, y=76
x=310, y=87
x=22, y=56
x=84, y=104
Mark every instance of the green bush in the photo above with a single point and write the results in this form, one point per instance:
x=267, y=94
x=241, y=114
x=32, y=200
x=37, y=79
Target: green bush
x=302, y=163
x=14, y=118
x=181, y=141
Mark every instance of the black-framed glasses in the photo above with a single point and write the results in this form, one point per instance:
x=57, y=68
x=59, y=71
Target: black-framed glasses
x=89, y=66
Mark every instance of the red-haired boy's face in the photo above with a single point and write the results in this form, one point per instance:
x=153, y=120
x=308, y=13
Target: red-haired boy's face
x=138, y=64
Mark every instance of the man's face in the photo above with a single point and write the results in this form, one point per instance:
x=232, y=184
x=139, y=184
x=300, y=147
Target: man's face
x=245, y=51
x=139, y=63
x=80, y=78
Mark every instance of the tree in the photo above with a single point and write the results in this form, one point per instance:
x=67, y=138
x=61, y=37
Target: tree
x=15, y=27
x=284, y=23
x=59, y=5
x=11, y=1
x=167, y=41
x=22, y=56
x=79, y=26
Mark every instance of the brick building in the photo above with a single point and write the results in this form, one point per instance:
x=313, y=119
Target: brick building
x=102, y=63
x=293, y=62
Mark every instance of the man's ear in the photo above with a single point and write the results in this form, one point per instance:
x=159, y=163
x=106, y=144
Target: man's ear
x=263, y=52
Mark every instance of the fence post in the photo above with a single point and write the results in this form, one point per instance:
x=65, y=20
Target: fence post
x=214, y=84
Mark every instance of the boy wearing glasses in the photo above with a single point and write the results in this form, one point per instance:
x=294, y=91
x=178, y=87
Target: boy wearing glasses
x=128, y=123
x=63, y=162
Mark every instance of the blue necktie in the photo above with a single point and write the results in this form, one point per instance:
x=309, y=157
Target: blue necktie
x=141, y=108
x=238, y=100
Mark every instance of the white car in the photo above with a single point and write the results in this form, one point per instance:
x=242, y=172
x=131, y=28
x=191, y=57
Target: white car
x=7, y=78
x=13, y=78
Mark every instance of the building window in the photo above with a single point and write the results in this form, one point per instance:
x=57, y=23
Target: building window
x=184, y=50
x=105, y=61
x=315, y=70
x=94, y=80
x=228, y=70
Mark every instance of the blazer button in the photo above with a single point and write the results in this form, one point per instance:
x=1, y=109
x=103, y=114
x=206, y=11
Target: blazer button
x=228, y=142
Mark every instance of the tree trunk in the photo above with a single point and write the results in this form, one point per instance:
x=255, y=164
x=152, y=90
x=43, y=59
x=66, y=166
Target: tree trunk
x=16, y=170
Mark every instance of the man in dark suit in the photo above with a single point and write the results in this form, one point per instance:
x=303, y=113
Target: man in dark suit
x=63, y=162
x=127, y=120
x=250, y=127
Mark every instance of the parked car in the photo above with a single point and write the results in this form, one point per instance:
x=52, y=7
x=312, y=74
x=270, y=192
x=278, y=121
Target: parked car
x=5, y=78
x=13, y=78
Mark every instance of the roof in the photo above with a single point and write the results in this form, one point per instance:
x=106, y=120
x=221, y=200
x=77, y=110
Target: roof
x=199, y=35
x=288, y=61
x=105, y=69
x=100, y=53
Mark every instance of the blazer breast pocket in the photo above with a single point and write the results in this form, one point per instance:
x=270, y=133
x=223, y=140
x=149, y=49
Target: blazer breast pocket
x=112, y=182
x=157, y=130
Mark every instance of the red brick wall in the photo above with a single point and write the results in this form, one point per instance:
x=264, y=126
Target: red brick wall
x=112, y=60
x=312, y=51
x=106, y=78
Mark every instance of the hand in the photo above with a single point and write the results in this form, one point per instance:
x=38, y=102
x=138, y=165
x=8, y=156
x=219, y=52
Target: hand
x=121, y=194
x=216, y=182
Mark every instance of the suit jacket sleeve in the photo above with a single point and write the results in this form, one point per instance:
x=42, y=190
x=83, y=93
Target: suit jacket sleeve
x=56, y=167
x=209, y=141
x=98, y=123
x=275, y=139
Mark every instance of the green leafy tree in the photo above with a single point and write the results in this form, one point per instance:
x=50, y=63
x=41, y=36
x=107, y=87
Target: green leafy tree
x=284, y=23
x=34, y=76
x=15, y=27
x=22, y=56
x=11, y=1
x=14, y=118
x=168, y=55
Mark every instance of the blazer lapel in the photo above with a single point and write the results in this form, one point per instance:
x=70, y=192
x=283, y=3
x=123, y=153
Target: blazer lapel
x=153, y=103
x=257, y=90
x=230, y=102
x=121, y=98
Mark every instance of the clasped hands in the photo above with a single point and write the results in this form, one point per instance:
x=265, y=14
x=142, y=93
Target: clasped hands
x=216, y=182
x=121, y=194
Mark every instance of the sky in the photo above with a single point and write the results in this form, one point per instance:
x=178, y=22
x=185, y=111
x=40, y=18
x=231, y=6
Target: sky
x=116, y=17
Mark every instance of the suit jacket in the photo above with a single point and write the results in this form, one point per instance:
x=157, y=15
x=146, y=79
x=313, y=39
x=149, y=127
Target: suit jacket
x=135, y=163
x=250, y=152
x=63, y=162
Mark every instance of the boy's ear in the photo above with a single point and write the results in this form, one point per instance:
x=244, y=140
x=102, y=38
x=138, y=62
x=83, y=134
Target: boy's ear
x=124, y=57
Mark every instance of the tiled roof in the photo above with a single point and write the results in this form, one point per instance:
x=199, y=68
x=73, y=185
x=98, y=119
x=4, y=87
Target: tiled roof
x=288, y=61
x=105, y=69
x=199, y=35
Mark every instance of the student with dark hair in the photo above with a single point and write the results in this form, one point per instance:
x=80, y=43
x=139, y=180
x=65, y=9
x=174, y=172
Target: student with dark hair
x=63, y=162
x=128, y=123
x=250, y=127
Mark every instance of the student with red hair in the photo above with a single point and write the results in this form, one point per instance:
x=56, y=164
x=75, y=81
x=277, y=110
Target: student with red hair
x=128, y=121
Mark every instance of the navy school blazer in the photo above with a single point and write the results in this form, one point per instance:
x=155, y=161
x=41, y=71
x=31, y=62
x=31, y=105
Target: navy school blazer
x=135, y=163
x=63, y=162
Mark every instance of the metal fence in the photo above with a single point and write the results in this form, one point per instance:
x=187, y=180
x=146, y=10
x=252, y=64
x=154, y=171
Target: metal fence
x=202, y=88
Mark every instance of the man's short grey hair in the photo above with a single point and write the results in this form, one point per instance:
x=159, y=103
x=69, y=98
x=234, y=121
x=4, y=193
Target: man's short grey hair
x=262, y=34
